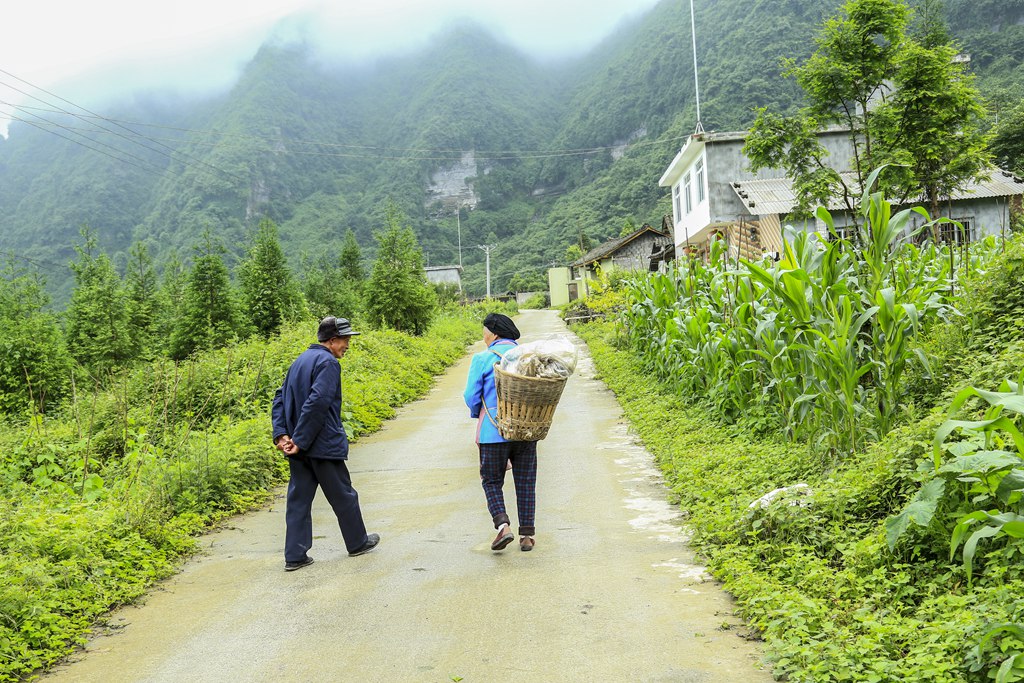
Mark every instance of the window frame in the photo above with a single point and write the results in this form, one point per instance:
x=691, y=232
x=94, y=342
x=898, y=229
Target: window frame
x=688, y=193
x=677, y=205
x=951, y=233
x=699, y=175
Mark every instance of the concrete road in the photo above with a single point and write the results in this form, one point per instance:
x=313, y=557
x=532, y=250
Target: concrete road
x=611, y=592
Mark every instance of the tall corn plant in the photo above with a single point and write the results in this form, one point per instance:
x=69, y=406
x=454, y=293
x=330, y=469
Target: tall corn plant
x=822, y=338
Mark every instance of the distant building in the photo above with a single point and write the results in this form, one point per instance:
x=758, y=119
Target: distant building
x=451, y=275
x=561, y=288
x=715, y=193
x=640, y=250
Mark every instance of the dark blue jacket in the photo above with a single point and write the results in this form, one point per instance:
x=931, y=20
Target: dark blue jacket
x=307, y=407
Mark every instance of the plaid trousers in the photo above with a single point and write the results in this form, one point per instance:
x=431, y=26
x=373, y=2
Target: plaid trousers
x=493, y=459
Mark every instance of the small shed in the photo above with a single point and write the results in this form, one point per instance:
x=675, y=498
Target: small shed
x=631, y=252
x=639, y=250
x=448, y=275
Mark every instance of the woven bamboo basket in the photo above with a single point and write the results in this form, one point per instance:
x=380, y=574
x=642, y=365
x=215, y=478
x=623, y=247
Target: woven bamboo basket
x=526, y=405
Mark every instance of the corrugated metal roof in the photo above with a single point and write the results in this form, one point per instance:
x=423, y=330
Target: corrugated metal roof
x=775, y=196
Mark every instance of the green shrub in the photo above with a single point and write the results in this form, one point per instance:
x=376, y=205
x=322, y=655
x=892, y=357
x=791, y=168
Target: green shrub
x=812, y=571
x=101, y=499
x=537, y=301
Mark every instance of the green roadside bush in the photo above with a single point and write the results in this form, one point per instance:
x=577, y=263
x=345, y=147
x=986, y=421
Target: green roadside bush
x=812, y=571
x=105, y=497
x=853, y=571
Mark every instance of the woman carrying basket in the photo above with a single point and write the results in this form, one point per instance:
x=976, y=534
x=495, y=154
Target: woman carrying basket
x=500, y=335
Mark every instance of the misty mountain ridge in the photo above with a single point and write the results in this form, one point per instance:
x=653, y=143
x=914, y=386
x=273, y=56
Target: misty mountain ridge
x=545, y=155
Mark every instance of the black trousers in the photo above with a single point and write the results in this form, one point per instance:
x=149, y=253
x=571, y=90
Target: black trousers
x=332, y=476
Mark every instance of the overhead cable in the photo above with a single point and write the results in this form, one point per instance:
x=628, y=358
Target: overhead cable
x=158, y=173
x=380, y=150
x=38, y=263
x=92, y=114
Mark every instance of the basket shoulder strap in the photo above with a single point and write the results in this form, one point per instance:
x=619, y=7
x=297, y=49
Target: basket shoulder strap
x=486, y=409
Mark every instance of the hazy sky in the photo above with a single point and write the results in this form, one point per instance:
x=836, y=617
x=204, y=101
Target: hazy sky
x=77, y=49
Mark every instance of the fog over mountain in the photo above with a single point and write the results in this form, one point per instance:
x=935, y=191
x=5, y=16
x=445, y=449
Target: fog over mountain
x=101, y=51
x=535, y=149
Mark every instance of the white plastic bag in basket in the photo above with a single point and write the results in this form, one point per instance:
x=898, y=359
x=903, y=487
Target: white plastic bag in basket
x=549, y=358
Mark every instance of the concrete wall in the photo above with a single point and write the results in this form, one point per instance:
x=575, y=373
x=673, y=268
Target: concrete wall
x=558, y=286
x=446, y=275
x=727, y=163
x=637, y=254
x=523, y=297
x=988, y=216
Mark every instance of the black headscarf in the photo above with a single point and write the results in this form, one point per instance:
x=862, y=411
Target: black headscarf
x=502, y=326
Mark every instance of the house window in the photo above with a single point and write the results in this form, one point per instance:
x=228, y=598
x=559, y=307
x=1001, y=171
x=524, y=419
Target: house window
x=677, y=208
x=850, y=233
x=951, y=233
x=700, y=180
x=687, y=193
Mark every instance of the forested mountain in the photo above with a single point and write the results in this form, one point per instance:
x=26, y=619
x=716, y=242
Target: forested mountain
x=545, y=155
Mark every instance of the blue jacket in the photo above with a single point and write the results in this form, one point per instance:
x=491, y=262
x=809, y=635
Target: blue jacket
x=480, y=391
x=307, y=407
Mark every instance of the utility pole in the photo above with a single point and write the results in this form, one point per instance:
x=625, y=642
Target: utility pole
x=458, y=223
x=486, y=248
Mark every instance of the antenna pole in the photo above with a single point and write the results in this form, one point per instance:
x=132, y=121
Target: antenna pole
x=696, y=84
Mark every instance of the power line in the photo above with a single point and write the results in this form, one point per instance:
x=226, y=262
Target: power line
x=95, y=115
x=484, y=155
x=125, y=161
x=38, y=263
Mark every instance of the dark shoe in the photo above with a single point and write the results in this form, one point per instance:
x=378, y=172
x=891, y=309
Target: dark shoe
x=503, y=538
x=371, y=542
x=299, y=564
x=526, y=543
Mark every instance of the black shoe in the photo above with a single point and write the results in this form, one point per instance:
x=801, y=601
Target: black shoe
x=298, y=564
x=371, y=542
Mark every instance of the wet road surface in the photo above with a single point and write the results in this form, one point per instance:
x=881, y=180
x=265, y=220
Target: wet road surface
x=610, y=593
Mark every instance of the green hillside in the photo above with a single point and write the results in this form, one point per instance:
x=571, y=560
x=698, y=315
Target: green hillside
x=564, y=153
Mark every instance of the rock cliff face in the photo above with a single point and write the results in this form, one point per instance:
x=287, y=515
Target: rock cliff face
x=619, y=150
x=259, y=196
x=452, y=186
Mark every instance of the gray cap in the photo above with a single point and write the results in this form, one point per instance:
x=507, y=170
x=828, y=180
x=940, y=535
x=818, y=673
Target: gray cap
x=331, y=327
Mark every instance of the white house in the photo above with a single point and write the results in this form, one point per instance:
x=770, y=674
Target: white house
x=715, y=193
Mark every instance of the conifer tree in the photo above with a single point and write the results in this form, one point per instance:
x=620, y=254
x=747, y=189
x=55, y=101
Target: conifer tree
x=335, y=286
x=320, y=278
x=142, y=289
x=398, y=294
x=35, y=368
x=98, y=331
x=209, y=315
x=351, y=259
x=173, y=281
x=269, y=293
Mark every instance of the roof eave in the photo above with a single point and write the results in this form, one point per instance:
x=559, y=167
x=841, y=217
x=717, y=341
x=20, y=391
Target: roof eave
x=694, y=146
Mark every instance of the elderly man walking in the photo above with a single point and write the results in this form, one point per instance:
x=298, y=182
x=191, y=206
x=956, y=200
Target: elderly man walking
x=306, y=416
